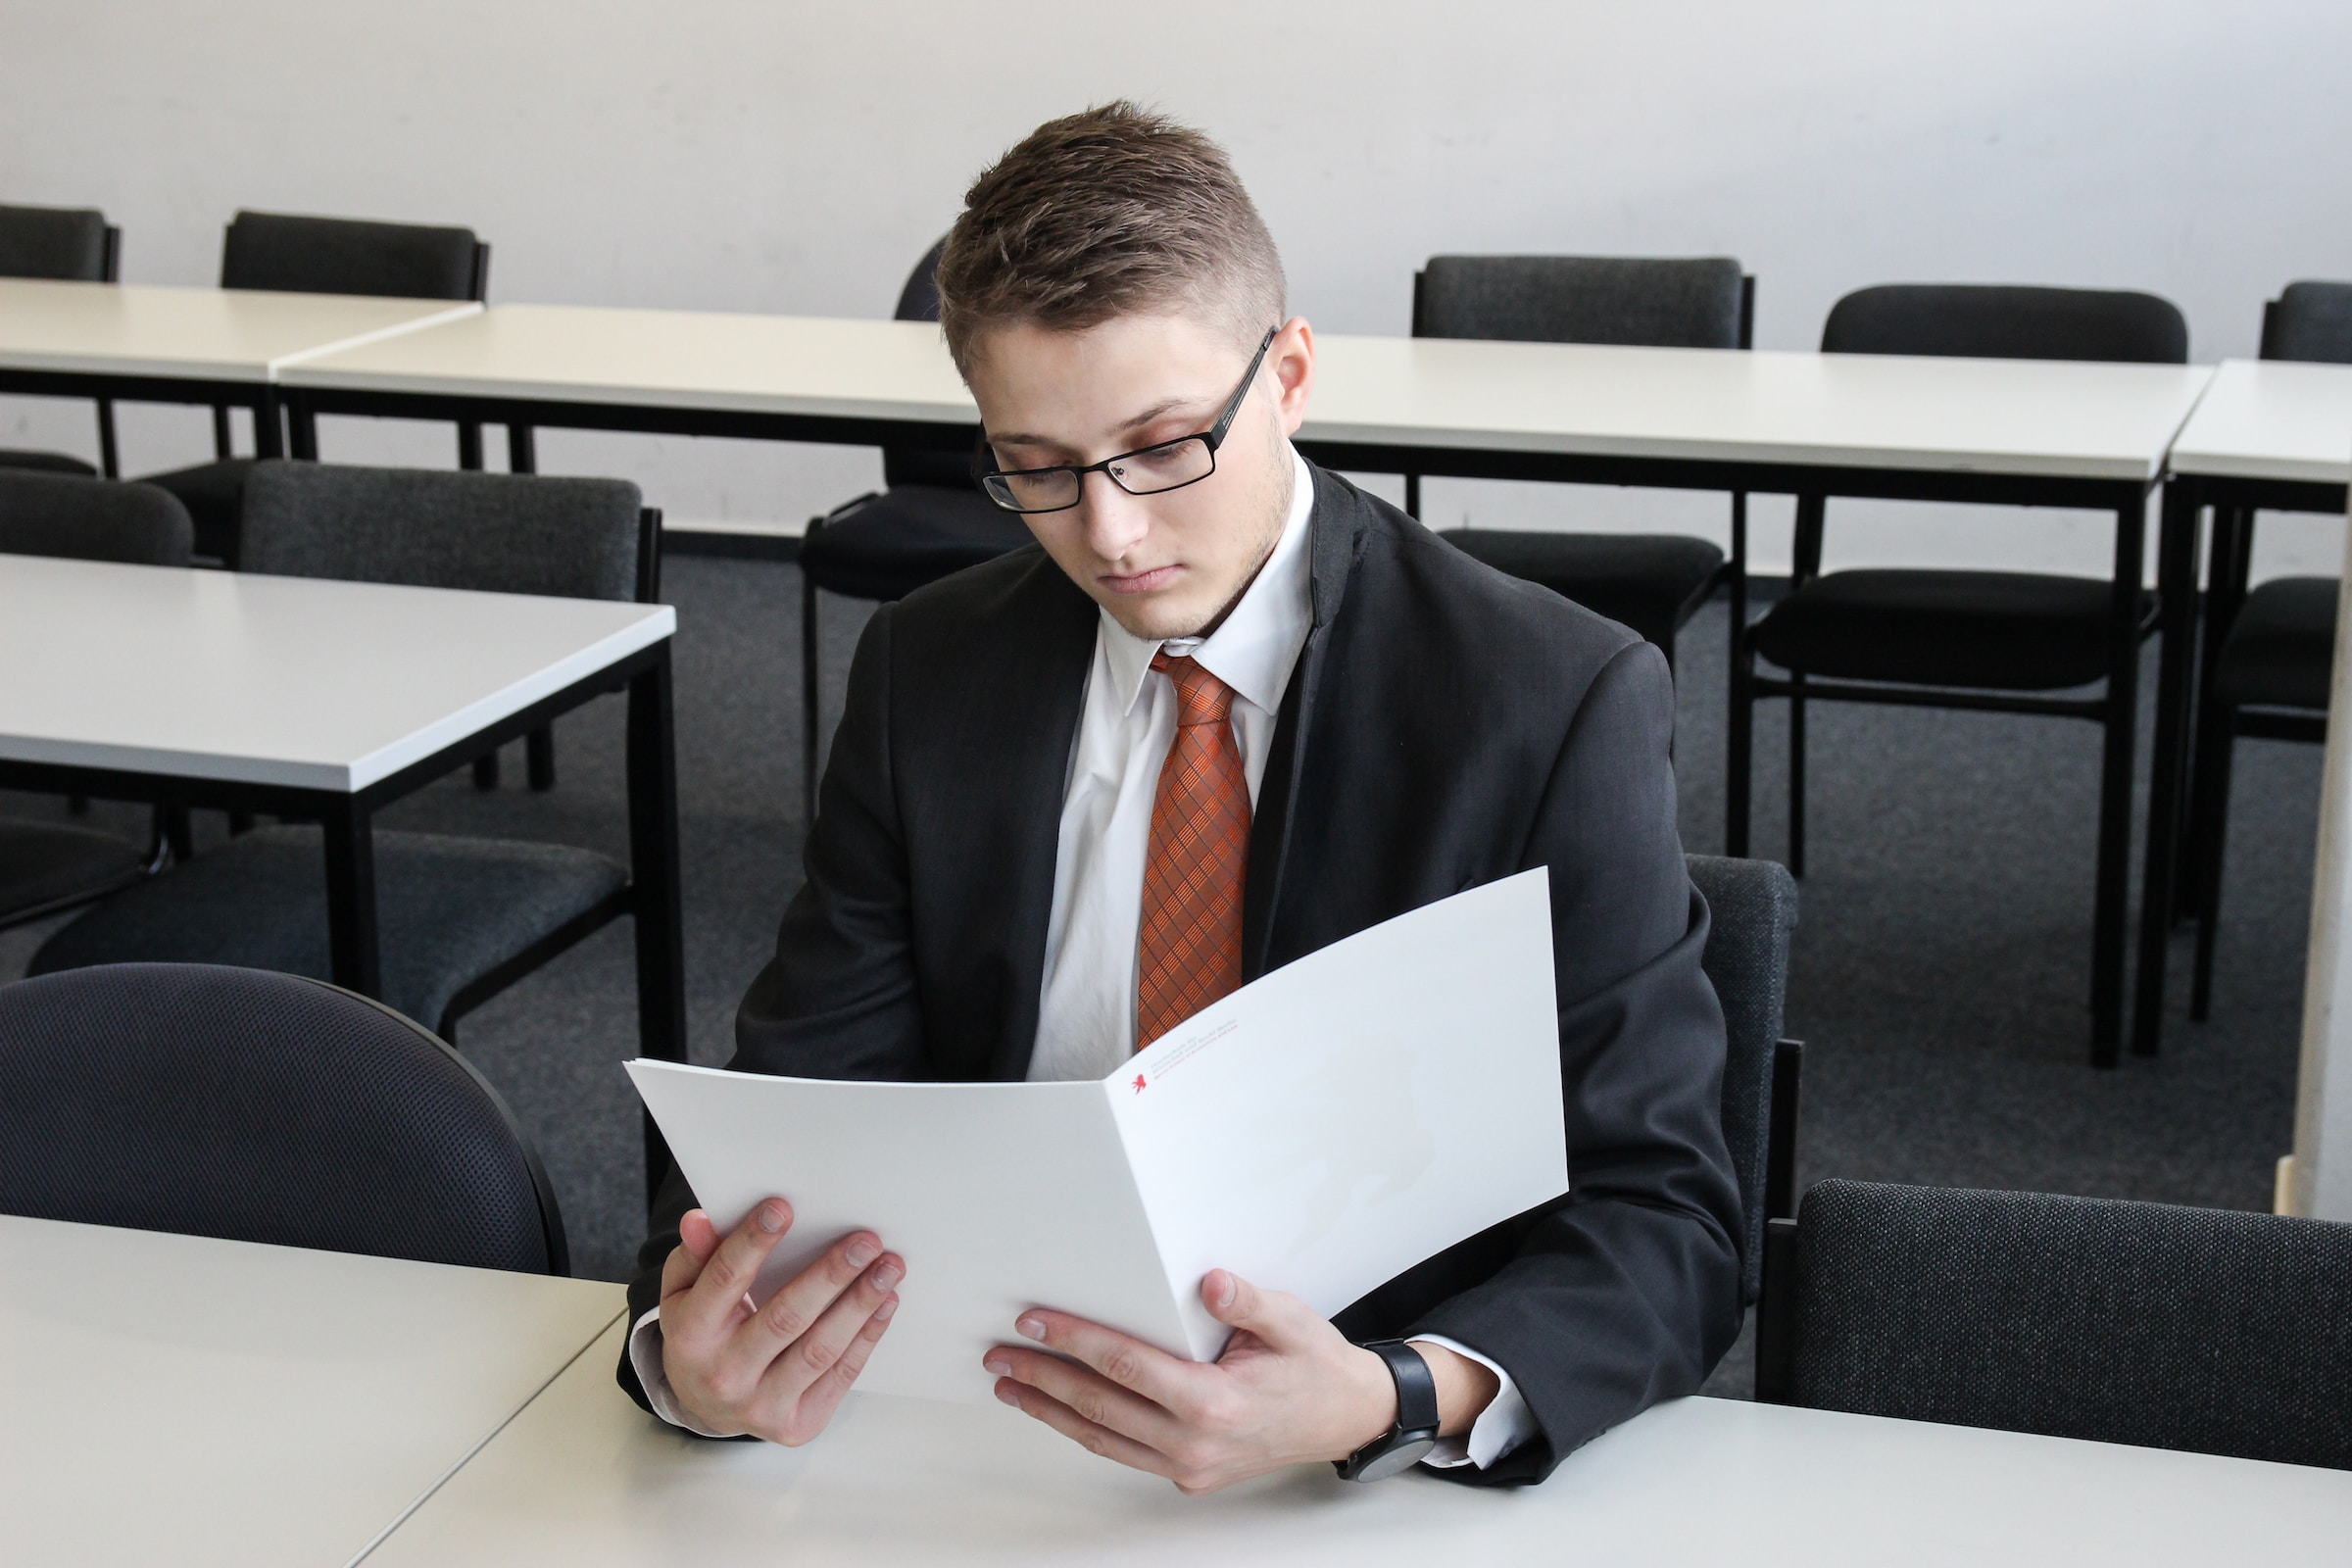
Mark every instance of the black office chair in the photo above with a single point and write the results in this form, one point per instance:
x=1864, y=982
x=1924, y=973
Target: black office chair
x=1995, y=641
x=323, y=255
x=461, y=918
x=1653, y=583
x=2268, y=652
x=930, y=523
x=47, y=867
x=71, y=244
x=2209, y=1330
x=1754, y=906
x=261, y=1108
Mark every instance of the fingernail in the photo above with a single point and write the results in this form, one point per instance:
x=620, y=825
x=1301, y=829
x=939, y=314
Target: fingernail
x=1032, y=1328
x=1008, y=1396
x=771, y=1217
x=890, y=1304
x=887, y=1275
x=997, y=1364
x=862, y=1254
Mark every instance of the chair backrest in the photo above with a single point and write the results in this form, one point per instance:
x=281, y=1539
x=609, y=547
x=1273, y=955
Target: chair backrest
x=1753, y=909
x=436, y=528
x=92, y=520
x=74, y=244
x=1697, y=303
x=2005, y=321
x=262, y=1107
x=2309, y=322
x=2142, y=1323
x=919, y=301
x=345, y=255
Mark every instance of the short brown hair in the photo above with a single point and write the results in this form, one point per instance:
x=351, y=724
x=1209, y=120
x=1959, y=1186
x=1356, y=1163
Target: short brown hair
x=1114, y=212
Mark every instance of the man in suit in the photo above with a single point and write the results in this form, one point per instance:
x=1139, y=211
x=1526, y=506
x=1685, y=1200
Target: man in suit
x=1230, y=710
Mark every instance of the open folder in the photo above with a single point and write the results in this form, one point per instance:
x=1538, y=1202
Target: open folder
x=1319, y=1130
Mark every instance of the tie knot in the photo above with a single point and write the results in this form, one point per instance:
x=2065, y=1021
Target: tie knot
x=1201, y=697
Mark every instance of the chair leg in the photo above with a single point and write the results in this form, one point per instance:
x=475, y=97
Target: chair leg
x=485, y=771
x=809, y=700
x=539, y=752
x=2208, y=836
x=1796, y=774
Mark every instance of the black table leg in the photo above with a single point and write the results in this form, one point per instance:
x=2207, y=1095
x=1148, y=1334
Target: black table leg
x=351, y=901
x=269, y=427
x=2177, y=596
x=2109, y=933
x=653, y=876
x=302, y=428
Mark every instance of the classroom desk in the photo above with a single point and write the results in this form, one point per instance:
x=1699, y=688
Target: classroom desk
x=325, y=701
x=2268, y=434
x=2014, y=432
x=584, y=1478
x=180, y=1399
x=185, y=345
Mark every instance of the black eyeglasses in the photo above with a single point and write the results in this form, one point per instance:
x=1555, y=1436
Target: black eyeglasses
x=1145, y=471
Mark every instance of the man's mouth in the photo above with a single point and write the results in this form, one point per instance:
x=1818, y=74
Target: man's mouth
x=1142, y=582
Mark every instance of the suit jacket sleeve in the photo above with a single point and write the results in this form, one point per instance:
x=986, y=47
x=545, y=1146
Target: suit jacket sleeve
x=838, y=999
x=1627, y=1292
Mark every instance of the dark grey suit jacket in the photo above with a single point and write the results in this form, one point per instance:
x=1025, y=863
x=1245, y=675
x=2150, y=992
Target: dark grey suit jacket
x=1446, y=726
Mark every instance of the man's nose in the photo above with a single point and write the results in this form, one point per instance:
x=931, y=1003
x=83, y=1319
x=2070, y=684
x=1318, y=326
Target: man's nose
x=1116, y=521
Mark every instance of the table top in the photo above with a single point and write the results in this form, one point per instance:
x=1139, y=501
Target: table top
x=298, y=681
x=175, y=1398
x=2028, y=417
x=2271, y=420
x=197, y=334
x=795, y=365
x=582, y=1478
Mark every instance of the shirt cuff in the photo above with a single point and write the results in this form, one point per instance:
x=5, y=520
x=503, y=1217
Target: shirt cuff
x=645, y=1355
x=1505, y=1423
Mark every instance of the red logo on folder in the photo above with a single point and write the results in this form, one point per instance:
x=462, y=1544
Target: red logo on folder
x=1138, y=1082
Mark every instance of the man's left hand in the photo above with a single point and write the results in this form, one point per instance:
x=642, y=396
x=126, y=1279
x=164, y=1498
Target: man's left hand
x=1288, y=1390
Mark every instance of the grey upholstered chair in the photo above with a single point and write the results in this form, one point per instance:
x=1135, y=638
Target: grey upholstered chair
x=261, y=1108
x=49, y=866
x=322, y=256
x=2210, y=1330
x=1752, y=906
x=1652, y=583
x=930, y=521
x=461, y=918
x=68, y=244
x=2269, y=652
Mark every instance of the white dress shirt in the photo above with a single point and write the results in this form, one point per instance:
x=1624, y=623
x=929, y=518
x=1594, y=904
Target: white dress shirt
x=1086, y=1014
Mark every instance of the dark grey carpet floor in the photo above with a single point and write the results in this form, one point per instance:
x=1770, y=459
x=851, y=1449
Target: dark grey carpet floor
x=1940, y=979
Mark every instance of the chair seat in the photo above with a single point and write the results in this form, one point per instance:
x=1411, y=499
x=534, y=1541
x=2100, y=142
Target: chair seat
x=2281, y=647
x=1997, y=630
x=46, y=462
x=214, y=495
x=448, y=910
x=46, y=866
x=906, y=537
x=1649, y=583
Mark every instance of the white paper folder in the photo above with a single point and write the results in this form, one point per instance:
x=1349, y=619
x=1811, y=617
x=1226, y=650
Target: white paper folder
x=1319, y=1130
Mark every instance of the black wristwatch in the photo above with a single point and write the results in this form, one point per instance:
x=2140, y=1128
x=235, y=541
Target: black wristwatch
x=1415, y=1433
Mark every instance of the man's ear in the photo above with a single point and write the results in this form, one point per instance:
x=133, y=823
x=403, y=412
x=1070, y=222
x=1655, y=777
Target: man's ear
x=1292, y=359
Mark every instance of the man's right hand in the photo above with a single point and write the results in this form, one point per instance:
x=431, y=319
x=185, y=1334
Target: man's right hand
x=776, y=1371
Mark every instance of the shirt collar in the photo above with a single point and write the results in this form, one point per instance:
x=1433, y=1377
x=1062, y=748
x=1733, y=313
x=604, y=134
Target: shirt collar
x=1254, y=649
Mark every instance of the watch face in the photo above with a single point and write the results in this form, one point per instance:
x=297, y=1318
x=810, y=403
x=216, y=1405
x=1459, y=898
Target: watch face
x=1403, y=1457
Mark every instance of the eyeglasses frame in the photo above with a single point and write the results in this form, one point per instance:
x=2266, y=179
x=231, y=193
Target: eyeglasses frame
x=1213, y=437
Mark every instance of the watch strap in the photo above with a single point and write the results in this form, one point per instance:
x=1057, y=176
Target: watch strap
x=1415, y=1431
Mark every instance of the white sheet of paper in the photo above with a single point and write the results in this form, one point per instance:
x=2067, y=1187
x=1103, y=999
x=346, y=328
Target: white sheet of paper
x=1319, y=1130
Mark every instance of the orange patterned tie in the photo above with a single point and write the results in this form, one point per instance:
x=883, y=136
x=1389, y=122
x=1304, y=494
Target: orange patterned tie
x=1190, y=951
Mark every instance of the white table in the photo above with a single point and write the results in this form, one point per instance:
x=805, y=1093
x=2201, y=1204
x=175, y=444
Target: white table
x=2267, y=434
x=2017, y=432
x=178, y=1400
x=584, y=1478
x=185, y=345
x=326, y=699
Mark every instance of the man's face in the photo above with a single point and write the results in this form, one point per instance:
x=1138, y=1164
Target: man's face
x=1168, y=564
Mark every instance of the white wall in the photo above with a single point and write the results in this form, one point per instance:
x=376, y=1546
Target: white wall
x=730, y=154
